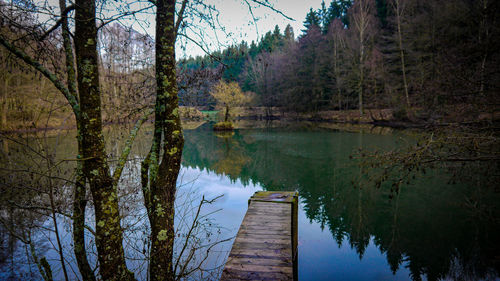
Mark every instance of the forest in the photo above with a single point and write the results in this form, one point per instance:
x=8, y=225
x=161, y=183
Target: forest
x=373, y=104
x=424, y=59
x=427, y=61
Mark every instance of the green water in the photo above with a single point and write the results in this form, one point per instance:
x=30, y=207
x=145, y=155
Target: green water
x=430, y=230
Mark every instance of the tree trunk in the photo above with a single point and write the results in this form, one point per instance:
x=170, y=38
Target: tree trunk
x=337, y=72
x=361, y=73
x=160, y=195
x=79, y=200
x=95, y=168
x=5, y=103
x=399, y=11
x=226, y=117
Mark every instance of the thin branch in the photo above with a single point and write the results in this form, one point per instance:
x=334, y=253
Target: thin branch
x=42, y=208
x=180, y=17
x=105, y=22
x=47, y=73
x=253, y=17
x=128, y=146
x=58, y=23
x=195, y=222
x=269, y=6
x=188, y=236
x=203, y=49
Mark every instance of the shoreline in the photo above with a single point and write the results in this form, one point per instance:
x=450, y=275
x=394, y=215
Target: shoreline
x=384, y=118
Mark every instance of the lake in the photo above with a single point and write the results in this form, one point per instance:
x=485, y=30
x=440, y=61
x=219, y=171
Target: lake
x=348, y=229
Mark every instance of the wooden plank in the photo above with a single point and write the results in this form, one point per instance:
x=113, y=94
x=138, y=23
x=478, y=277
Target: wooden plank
x=262, y=253
x=260, y=268
x=235, y=274
x=265, y=233
x=260, y=206
x=270, y=225
x=265, y=245
x=259, y=261
x=275, y=206
x=260, y=228
x=252, y=239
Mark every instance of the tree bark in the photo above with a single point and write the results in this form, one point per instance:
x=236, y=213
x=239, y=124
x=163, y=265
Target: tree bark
x=79, y=200
x=399, y=11
x=226, y=117
x=109, y=235
x=5, y=103
x=160, y=195
x=361, y=71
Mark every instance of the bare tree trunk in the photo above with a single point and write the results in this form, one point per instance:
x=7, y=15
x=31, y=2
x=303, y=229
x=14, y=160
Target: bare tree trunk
x=483, y=37
x=362, y=20
x=109, y=235
x=399, y=9
x=159, y=191
x=226, y=117
x=5, y=103
x=361, y=72
x=336, y=71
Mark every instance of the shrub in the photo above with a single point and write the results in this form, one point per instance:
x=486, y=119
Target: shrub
x=223, y=126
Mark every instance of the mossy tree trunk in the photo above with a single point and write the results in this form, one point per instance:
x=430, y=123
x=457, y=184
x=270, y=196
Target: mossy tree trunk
x=80, y=202
x=227, y=113
x=159, y=172
x=95, y=168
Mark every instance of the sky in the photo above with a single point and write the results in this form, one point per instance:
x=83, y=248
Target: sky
x=234, y=16
x=239, y=24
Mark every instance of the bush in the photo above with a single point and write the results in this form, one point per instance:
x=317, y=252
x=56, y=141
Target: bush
x=223, y=126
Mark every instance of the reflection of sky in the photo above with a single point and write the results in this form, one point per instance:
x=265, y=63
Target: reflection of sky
x=320, y=258
x=234, y=201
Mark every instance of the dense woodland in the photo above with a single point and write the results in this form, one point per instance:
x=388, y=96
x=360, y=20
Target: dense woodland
x=418, y=57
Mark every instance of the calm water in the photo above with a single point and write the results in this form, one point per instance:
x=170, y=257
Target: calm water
x=430, y=230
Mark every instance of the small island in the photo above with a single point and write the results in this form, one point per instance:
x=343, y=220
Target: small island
x=229, y=95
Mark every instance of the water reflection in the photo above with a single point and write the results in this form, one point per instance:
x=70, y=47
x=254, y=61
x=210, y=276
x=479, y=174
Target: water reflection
x=426, y=231
x=430, y=230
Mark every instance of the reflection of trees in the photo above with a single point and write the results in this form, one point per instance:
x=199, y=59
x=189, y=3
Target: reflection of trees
x=231, y=158
x=430, y=227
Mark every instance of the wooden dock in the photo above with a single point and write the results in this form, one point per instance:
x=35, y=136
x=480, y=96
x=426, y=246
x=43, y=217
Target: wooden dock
x=265, y=247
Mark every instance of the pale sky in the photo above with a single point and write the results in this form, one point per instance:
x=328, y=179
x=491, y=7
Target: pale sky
x=236, y=18
x=234, y=15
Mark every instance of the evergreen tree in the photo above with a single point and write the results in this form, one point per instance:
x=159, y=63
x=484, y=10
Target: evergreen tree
x=312, y=19
x=382, y=11
x=323, y=16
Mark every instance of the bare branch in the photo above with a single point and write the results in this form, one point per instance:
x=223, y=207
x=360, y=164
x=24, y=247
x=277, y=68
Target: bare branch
x=203, y=49
x=105, y=22
x=47, y=73
x=128, y=146
x=266, y=4
x=180, y=17
x=58, y=23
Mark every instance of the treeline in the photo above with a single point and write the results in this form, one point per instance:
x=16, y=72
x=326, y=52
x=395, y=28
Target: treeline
x=439, y=56
x=423, y=58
